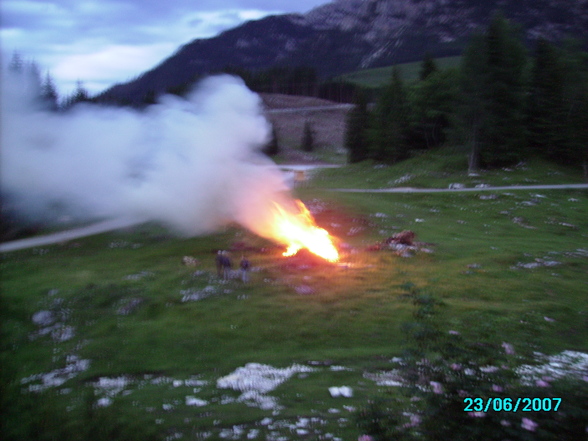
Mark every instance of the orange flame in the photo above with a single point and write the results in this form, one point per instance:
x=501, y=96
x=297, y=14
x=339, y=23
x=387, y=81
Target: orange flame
x=299, y=230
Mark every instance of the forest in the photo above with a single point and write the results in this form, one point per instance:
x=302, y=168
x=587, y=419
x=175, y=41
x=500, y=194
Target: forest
x=502, y=102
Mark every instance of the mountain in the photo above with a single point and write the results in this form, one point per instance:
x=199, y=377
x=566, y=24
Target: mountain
x=347, y=35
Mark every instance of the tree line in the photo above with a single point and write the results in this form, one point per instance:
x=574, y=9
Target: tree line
x=40, y=90
x=288, y=80
x=502, y=103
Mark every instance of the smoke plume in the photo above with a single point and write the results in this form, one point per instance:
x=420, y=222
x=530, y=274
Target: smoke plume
x=193, y=164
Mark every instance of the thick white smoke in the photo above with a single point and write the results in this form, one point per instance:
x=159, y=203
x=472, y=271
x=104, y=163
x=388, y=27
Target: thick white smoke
x=192, y=164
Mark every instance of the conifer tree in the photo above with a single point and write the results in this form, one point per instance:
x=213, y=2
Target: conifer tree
x=49, y=96
x=433, y=103
x=472, y=109
x=504, y=134
x=16, y=63
x=80, y=95
x=574, y=149
x=272, y=148
x=389, y=135
x=492, y=87
x=308, y=138
x=356, y=130
x=428, y=67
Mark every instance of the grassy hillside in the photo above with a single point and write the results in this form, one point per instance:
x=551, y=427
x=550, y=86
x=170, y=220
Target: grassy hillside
x=373, y=78
x=441, y=167
x=134, y=343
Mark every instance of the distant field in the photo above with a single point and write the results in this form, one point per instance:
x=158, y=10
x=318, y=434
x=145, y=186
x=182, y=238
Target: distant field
x=135, y=345
x=439, y=168
x=373, y=78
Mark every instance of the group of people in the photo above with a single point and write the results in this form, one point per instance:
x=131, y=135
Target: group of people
x=223, y=266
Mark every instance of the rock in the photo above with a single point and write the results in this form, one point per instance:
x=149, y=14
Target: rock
x=130, y=306
x=138, y=276
x=405, y=237
x=566, y=224
x=63, y=333
x=104, y=402
x=304, y=290
x=193, y=401
x=190, y=261
x=43, y=318
x=342, y=391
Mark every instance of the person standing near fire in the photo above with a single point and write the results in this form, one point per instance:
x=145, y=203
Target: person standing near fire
x=226, y=261
x=244, y=268
x=219, y=263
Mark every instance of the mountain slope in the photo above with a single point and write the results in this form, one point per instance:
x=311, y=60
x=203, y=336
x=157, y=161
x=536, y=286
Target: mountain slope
x=347, y=35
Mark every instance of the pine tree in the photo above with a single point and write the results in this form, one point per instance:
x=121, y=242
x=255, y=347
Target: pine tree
x=33, y=75
x=16, y=63
x=472, y=108
x=272, y=148
x=546, y=114
x=575, y=97
x=356, y=130
x=389, y=135
x=428, y=67
x=433, y=101
x=504, y=134
x=49, y=96
x=150, y=97
x=493, y=90
x=307, y=138
x=80, y=94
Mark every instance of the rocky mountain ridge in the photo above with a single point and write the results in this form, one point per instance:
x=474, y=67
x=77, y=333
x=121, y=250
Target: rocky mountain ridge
x=347, y=35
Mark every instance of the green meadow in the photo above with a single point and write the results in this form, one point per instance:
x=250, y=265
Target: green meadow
x=136, y=341
x=379, y=77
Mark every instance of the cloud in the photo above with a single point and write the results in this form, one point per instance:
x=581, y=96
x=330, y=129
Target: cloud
x=108, y=64
x=84, y=36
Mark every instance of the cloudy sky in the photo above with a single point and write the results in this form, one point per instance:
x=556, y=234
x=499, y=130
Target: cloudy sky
x=102, y=42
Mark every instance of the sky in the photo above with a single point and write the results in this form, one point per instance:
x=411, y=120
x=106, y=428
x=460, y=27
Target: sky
x=104, y=42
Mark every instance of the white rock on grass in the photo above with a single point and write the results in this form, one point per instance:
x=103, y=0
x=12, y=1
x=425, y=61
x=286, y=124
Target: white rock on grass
x=566, y=363
x=74, y=365
x=63, y=333
x=104, y=402
x=259, y=377
x=193, y=401
x=255, y=380
x=339, y=368
x=256, y=399
x=43, y=318
x=342, y=391
x=385, y=378
x=111, y=385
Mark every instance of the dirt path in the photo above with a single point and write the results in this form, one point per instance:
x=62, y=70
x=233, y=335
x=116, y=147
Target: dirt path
x=448, y=190
x=63, y=236
x=115, y=224
x=312, y=108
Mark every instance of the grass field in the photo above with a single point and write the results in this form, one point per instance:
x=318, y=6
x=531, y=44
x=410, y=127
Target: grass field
x=132, y=344
x=378, y=77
